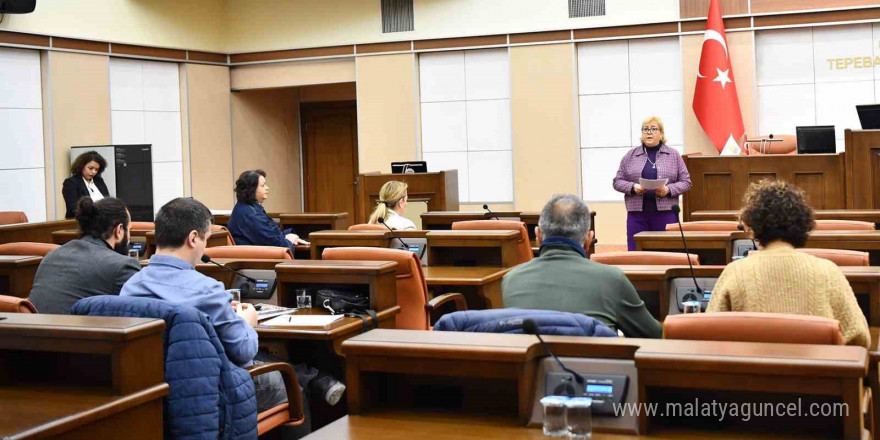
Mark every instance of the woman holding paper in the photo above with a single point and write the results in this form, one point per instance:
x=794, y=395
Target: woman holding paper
x=651, y=177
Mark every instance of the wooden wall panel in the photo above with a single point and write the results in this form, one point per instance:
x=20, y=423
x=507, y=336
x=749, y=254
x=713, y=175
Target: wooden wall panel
x=210, y=143
x=292, y=74
x=700, y=8
x=818, y=17
x=265, y=135
x=388, y=117
x=764, y=6
x=80, y=93
x=546, y=157
x=719, y=183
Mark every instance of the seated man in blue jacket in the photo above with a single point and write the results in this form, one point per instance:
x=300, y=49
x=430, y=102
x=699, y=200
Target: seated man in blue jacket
x=183, y=227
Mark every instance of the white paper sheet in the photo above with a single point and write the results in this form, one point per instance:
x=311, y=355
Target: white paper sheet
x=650, y=184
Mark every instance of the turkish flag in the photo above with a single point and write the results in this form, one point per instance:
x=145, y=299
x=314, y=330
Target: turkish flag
x=715, y=101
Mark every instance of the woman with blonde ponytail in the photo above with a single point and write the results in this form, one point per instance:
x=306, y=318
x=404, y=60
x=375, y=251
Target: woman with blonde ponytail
x=391, y=205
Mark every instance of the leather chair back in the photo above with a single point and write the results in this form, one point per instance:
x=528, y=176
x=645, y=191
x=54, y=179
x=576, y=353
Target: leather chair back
x=12, y=304
x=143, y=226
x=707, y=225
x=366, y=227
x=843, y=225
x=12, y=217
x=252, y=252
x=753, y=327
x=229, y=240
x=840, y=257
x=412, y=290
x=524, y=246
x=788, y=145
x=27, y=248
x=645, y=258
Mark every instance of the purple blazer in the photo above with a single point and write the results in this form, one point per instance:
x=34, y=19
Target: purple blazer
x=669, y=166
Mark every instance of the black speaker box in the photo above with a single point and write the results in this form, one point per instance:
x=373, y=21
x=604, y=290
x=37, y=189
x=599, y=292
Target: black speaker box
x=17, y=6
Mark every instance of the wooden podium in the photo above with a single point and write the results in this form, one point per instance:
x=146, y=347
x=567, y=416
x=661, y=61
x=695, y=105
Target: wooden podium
x=439, y=190
x=863, y=169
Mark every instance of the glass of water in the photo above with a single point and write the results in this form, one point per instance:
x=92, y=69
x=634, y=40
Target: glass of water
x=554, y=416
x=234, y=294
x=579, y=417
x=692, y=307
x=303, y=300
x=133, y=253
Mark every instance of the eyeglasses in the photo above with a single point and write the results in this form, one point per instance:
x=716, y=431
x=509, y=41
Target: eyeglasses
x=650, y=130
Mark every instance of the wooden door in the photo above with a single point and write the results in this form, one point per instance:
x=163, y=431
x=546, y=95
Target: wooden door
x=330, y=155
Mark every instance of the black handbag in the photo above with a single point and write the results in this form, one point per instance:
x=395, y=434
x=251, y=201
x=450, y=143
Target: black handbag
x=353, y=304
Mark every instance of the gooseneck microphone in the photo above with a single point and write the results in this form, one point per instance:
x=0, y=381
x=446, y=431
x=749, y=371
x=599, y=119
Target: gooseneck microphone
x=382, y=222
x=530, y=327
x=486, y=207
x=743, y=229
x=677, y=210
x=207, y=259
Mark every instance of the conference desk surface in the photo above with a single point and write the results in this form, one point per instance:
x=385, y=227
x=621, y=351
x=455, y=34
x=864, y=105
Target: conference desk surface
x=17, y=274
x=717, y=247
x=444, y=425
x=864, y=215
x=481, y=286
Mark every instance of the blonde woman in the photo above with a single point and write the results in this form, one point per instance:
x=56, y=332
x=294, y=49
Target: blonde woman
x=392, y=203
x=651, y=210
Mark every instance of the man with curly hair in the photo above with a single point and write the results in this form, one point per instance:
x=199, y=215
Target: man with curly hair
x=779, y=279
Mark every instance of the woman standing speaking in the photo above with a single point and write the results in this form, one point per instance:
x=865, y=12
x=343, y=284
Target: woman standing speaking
x=651, y=210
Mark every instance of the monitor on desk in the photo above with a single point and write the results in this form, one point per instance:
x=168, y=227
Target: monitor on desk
x=816, y=139
x=869, y=116
x=409, y=167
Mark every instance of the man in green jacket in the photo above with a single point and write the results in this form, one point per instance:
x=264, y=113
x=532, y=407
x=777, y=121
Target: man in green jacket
x=563, y=278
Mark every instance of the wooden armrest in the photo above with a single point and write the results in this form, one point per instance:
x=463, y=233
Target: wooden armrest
x=294, y=393
x=437, y=302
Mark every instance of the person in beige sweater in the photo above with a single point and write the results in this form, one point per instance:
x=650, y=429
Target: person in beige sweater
x=779, y=279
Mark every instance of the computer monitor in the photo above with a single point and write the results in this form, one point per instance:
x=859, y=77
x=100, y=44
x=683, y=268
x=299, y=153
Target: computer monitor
x=869, y=116
x=409, y=167
x=816, y=139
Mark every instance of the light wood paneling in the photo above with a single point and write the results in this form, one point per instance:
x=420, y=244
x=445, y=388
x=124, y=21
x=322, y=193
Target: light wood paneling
x=762, y=6
x=265, y=135
x=388, y=119
x=818, y=17
x=741, y=45
x=545, y=150
x=209, y=134
x=700, y=8
x=625, y=31
x=80, y=110
x=291, y=54
x=292, y=74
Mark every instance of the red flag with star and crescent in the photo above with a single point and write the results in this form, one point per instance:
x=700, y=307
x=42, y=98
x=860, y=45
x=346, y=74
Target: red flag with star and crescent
x=715, y=101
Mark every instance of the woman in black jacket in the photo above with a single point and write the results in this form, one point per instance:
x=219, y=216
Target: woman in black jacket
x=84, y=181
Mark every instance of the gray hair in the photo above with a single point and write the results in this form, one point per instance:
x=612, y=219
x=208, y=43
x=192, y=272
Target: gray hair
x=565, y=215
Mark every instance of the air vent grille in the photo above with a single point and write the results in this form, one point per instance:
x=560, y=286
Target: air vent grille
x=397, y=16
x=586, y=8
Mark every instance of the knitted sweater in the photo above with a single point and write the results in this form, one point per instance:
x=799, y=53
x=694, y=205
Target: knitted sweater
x=779, y=279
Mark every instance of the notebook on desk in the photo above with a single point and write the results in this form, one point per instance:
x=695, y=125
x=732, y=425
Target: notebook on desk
x=314, y=322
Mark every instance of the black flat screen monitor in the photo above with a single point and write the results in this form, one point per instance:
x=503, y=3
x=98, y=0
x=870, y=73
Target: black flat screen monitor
x=816, y=139
x=869, y=116
x=409, y=167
